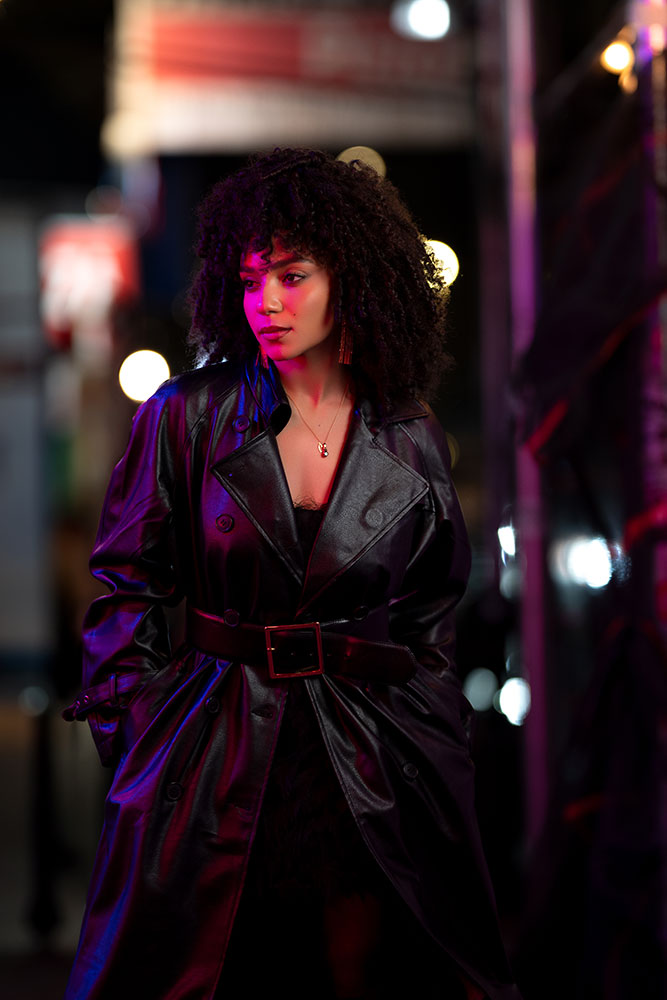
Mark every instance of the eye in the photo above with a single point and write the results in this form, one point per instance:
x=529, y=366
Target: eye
x=249, y=284
x=293, y=277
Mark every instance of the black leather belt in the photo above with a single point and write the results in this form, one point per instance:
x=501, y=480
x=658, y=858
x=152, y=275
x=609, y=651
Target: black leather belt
x=303, y=650
x=300, y=650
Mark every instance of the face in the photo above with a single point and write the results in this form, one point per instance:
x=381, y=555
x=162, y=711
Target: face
x=287, y=303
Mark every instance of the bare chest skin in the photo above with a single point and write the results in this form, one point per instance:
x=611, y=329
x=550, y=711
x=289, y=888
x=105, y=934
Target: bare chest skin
x=309, y=475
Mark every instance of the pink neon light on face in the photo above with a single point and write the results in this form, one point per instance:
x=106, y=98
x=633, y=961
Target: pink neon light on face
x=287, y=302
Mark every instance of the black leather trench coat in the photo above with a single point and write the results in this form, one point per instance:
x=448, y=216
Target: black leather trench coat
x=199, y=508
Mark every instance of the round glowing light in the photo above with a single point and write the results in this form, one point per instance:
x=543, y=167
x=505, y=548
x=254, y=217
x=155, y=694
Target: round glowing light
x=142, y=373
x=507, y=540
x=510, y=581
x=426, y=20
x=367, y=155
x=583, y=561
x=618, y=56
x=589, y=562
x=514, y=700
x=34, y=700
x=628, y=82
x=480, y=687
x=446, y=258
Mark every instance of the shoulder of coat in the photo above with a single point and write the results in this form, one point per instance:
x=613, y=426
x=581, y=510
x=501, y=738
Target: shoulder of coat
x=194, y=392
x=419, y=425
x=210, y=379
x=183, y=402
x=408, y=409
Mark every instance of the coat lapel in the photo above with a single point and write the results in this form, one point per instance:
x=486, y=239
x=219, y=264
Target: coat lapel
x=254, y=476
x=372, y=490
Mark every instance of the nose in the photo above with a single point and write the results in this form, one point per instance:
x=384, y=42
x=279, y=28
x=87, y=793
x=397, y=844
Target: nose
x=269, y=300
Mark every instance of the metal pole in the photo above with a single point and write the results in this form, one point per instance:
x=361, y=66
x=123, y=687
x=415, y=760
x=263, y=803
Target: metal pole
x=650, y=17
x=520, y=152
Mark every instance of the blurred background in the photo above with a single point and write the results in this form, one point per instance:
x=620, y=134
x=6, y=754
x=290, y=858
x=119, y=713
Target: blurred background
x=530, y=138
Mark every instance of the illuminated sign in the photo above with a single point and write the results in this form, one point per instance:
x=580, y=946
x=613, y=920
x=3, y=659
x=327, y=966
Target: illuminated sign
x=86, y=267
x=220, y=77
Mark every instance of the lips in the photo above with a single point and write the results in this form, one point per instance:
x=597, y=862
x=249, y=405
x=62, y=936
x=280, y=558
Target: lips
x=274, y=332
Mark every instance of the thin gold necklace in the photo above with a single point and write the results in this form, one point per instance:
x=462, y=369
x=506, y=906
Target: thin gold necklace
x=321, y=445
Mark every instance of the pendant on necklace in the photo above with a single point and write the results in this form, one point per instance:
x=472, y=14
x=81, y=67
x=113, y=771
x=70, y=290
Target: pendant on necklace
x=322, y=448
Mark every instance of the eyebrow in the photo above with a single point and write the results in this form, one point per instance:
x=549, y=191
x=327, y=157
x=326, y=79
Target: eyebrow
x=276, y=264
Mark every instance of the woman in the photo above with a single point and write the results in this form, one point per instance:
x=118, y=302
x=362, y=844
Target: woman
x=295, y=779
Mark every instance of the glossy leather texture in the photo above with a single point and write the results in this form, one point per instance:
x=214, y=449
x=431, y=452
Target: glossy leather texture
x=199, y=508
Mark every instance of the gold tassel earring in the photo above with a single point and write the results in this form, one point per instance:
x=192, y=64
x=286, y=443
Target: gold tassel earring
x=345, y=346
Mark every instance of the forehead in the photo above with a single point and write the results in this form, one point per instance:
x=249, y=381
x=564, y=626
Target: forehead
x=277, y=255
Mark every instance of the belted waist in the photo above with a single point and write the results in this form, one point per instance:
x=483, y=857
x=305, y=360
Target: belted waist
x=294, y=650
x=303, y=649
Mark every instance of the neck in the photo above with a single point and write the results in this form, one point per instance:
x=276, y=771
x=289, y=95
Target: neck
x=315, y=378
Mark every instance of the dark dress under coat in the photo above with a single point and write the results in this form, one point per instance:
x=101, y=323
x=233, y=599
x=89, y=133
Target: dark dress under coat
x=199, y=508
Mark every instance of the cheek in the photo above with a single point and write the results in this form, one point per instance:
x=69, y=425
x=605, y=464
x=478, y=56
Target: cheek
x=318, y=307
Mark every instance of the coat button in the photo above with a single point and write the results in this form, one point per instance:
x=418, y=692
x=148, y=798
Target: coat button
x=225, y=522
x=411, y=771
x=373, y=517
x=241, y=423
x=360, y=613
x=213, y=705
x=174, y=791
x=231, y=617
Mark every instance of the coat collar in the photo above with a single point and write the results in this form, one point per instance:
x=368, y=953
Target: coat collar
x=271, y=400
x=371, y=491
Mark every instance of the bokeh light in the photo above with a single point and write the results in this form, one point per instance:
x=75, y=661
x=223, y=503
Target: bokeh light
x=367, y=155
x=628, y=82
x=583, y=561
x=507, y=540
x=426, y=20
x=480, y=687
x=513, y=700
x=656, y=38
x=142, y=373
x=34, y=700
x=618, y=56
x=447, y=259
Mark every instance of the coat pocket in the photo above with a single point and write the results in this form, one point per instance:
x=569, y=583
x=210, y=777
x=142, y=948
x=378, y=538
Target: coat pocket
x=188, y=748
x=161, y=700
x=169, y=723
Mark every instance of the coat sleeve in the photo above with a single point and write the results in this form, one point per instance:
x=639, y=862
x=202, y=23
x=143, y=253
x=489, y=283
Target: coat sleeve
x=422, y=616
x=125, y=633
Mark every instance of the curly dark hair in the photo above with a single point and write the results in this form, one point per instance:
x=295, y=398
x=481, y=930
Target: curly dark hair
x=386, y=285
